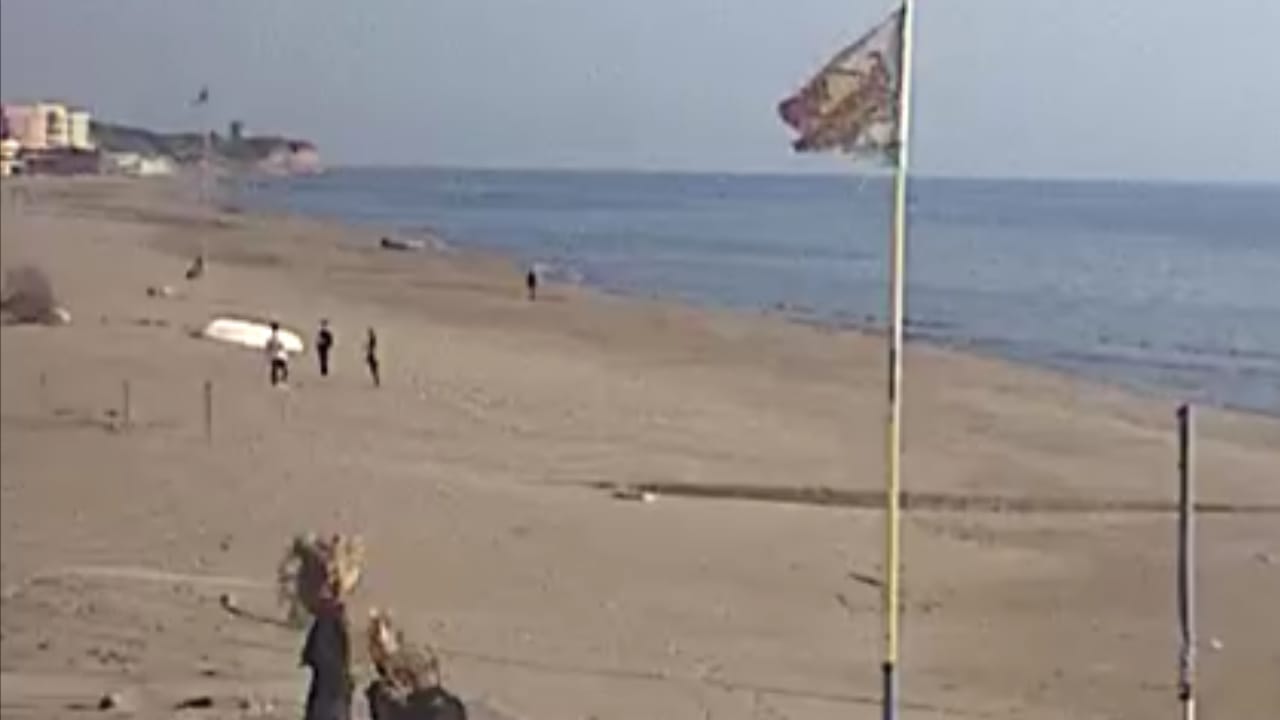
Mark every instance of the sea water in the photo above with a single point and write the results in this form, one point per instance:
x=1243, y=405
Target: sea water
x=1172, y=289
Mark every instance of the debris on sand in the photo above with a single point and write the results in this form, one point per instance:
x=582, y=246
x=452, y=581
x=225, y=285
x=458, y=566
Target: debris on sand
x=402, y=244
x=199, y=702
x=635, y=494
x=111, y=701
x=28, y=299
x=196, y=270
x=252, y=707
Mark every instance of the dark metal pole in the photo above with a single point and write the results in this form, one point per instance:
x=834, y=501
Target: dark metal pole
x=1186, y=565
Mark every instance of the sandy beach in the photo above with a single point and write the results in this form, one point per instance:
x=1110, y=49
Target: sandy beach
x=1039, y=548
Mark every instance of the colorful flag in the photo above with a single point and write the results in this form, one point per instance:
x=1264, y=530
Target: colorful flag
x=851, y=105
x=202, y=98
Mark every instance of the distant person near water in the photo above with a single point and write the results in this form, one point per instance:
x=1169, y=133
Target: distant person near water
x=531, y=284
x=278, y=356
x=371, y=357
x=324, y=344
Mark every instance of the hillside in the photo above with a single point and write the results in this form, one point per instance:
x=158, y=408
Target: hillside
x=269, y=153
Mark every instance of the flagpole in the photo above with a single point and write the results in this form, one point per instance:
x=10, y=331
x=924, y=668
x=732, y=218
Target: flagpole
x=893, y=431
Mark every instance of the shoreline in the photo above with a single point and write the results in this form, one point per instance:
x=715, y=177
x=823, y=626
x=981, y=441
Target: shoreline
x=470, y=476
x=486, y=259
x=919, y=333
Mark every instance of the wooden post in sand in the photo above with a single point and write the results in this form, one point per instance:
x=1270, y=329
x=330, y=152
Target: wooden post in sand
x=208, y=412
x=1186, y=566
x=126, y=405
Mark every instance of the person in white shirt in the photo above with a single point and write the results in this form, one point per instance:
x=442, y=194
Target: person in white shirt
x=278, y=356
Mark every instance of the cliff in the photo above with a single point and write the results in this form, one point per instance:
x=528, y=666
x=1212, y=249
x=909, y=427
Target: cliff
x=270, y=154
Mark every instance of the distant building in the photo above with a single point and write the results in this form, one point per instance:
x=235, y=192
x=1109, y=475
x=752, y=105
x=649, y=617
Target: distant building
x=292, y=157
x=24, y=125
x=137, y=164
x=57, y=130
x=79, y=135
x=47, y=138
x=48, y=126
x=10, y=163
x=61, y=161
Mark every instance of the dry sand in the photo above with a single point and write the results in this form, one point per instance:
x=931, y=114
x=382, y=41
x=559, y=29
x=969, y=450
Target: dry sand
x=470, y=475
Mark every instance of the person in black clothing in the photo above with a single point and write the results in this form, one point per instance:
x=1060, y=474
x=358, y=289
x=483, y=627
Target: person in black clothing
x=531, y=283
x=327, y=652
x=324, y=344
x=371, y=357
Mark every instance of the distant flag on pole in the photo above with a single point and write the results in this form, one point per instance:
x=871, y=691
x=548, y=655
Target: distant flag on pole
x=202, y=97
x=851, y=105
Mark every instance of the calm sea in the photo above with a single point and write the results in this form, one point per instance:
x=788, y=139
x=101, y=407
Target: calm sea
x=1166, y=288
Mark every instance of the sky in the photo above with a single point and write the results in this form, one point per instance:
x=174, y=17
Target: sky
x=1148, y=89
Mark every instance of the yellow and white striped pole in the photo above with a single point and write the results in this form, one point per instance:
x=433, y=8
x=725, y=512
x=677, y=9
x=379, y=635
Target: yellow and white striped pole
x=893, y=432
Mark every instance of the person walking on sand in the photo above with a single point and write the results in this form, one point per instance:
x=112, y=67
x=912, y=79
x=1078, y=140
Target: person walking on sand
x=531, y=284
x=371, y=357
x=278, y=356
x=324, y=344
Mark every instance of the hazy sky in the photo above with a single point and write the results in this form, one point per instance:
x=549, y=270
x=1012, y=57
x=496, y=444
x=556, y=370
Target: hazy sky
x=1114, y=88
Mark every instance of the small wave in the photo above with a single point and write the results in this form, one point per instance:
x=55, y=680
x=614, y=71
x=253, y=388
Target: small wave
x=430, y=238
x=555, y=272
x=1227, y=352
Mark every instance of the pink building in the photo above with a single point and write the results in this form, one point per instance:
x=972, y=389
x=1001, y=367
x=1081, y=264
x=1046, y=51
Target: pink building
x=26, y=124
x=46, y=126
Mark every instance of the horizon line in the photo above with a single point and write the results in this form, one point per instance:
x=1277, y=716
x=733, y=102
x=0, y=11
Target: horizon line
x=862, y=173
